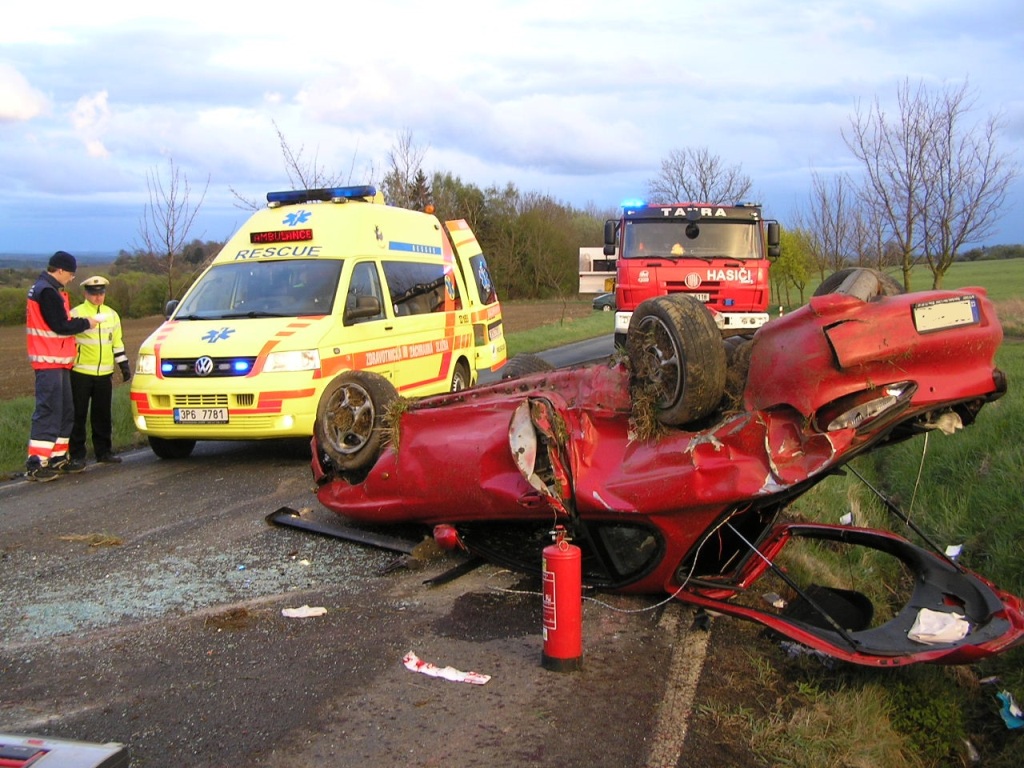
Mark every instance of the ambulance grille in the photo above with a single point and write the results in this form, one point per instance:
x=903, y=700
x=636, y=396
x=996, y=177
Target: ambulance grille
x=200, y=401
x=186, y=367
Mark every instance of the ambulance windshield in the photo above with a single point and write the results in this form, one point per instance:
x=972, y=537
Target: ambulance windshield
x=263, y=289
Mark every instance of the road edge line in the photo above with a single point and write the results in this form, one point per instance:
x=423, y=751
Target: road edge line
x=684, y=671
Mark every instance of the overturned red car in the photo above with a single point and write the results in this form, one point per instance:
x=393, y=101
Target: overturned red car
x=670, y=465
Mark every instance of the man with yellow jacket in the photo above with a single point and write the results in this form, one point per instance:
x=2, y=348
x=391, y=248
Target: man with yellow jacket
x=99, y=349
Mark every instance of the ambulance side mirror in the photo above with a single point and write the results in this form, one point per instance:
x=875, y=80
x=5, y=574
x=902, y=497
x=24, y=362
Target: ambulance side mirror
x=362, y=308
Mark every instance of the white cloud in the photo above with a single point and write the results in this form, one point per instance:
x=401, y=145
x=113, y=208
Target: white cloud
x=89, y=119
x=19, y=101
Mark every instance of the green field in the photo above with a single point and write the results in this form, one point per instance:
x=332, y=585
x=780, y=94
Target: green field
x=1003, y=279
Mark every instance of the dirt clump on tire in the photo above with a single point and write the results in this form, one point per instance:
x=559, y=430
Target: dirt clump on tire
x=678, y=362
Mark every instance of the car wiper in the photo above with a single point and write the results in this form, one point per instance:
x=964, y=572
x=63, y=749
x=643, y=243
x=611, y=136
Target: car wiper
x=252, y=313
x=672, y=257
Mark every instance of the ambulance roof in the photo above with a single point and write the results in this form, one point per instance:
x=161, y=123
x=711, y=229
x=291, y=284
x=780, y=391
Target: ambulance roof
x=332, y=223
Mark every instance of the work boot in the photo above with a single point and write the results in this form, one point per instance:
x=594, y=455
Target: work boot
x=41, y=474
x=109, y=458
x=68, y=466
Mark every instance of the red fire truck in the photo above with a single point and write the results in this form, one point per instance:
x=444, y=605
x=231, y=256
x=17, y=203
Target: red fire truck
x=717, y=253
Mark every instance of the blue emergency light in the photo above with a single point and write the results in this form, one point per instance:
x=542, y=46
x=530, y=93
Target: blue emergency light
x=331, y=194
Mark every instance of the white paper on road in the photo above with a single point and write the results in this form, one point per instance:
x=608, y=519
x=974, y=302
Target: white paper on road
x=414, y=663
x=305, y=612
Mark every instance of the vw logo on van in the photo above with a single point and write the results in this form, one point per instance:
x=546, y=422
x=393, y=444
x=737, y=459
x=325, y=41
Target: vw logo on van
x=203, y=366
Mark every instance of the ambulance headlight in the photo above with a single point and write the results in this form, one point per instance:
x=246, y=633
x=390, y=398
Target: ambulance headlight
x=145, y=365
x=288, y=362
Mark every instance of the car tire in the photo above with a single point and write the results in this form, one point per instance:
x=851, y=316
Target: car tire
x=606, y=308
x=525, y=365
x=349, y=425
x=460, y=377
x=167, y=448
x=676, y=353
x=861, y=282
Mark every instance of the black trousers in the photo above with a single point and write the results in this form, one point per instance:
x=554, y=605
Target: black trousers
x=96, y=391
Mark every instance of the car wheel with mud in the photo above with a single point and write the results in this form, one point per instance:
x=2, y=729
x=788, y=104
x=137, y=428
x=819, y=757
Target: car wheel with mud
x=676, y=353
x=349, y=424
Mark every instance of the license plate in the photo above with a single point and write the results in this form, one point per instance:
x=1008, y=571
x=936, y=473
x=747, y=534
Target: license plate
x=200, y=415
x=705, y=297
x=945, y=313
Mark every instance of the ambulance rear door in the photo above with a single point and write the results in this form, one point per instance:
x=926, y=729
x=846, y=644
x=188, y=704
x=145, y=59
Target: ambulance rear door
x=489, y=349
x=423, y=298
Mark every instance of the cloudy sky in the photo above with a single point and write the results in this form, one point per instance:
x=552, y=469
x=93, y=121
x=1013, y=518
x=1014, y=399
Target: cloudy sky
x=579, y=100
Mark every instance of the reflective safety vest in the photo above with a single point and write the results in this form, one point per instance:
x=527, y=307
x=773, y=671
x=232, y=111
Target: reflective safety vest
x=46, y=349
x=99, y=348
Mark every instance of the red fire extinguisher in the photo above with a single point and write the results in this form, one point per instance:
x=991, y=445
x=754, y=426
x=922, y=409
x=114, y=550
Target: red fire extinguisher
x=563, y=604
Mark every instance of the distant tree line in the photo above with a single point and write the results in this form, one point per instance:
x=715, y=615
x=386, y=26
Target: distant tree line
x=994, y=253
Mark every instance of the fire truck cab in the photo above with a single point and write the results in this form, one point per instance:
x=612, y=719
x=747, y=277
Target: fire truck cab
x=717, y=253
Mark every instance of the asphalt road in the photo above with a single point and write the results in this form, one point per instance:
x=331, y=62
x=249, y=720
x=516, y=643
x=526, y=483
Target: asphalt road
x=142, y=604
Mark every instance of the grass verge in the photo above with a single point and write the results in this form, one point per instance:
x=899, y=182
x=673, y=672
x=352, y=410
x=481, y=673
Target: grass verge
x=959, y=489
x=16, y=418
x=560, y=332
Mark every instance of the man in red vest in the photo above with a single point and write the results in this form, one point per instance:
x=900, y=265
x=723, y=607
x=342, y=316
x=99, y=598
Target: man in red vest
x=50, y=333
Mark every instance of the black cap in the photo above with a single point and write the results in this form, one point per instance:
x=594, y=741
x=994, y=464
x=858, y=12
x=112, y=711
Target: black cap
x=64, y=260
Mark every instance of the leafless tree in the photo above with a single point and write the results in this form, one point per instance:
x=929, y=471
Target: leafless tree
x=402, y=185
x=966, y=181
x=695, y=175
x=830, y=222
x=166, y=224
x=933, y=182
x=303, y=172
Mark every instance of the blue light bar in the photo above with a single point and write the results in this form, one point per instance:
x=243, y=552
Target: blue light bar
x=241, y=366
x=634, y=203
x=298, y=196
x=166, y=367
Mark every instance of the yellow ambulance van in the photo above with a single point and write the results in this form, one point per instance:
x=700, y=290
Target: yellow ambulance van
x=320, y=283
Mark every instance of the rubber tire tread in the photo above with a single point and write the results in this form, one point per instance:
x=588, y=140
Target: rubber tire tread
x=525, y=365
x=460, y=373
x=887, y=284
x=171, y=448
x=699, y=342
x=380, y=393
